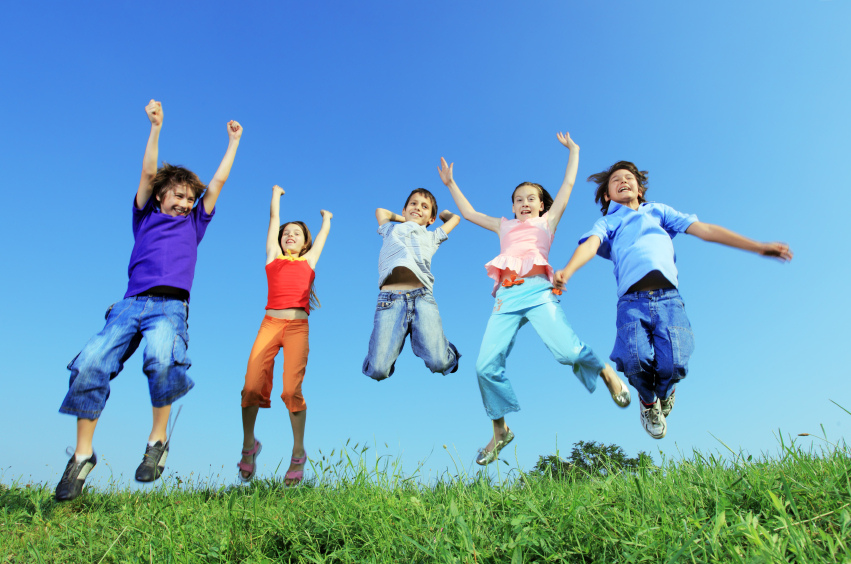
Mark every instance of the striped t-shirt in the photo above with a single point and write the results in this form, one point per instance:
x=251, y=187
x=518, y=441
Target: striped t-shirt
x=410, y=245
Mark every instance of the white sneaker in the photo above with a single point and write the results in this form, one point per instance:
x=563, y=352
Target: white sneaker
x=653, y=420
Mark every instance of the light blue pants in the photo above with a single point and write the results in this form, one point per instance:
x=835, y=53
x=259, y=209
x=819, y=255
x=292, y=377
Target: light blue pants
x=551, y=324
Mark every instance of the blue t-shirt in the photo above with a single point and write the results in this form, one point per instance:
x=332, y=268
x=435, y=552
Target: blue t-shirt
x=411, y=245
x=640, y=241
x=165, y=248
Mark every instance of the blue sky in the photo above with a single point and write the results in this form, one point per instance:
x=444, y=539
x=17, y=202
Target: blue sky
x=738, y=110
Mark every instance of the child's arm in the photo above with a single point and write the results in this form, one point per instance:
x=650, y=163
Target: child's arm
x=154, y=110
x=315, y=251
x=718, y=234
x=273, y=249
x=560, y=202
x=581, y=255
x=450, y=221
x=469, y=213
x=221, y=176
x=383, y=216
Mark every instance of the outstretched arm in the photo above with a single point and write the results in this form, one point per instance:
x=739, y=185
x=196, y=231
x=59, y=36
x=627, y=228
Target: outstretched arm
x=315, y=251
x=154, y=110
x=383, y=216
x=221, y=176
x=718, y=234
x=450, y=221
x=581, y=256
x=560, y=201
x=467, y=210
x=273, y=249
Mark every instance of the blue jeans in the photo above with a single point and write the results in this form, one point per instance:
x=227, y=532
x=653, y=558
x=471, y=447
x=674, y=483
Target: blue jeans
x=654, y=342
x=551, y=324
x=163, y=323
x=400, y=313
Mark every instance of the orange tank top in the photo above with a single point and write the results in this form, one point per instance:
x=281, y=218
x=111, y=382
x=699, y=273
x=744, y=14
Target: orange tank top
x=290, y=280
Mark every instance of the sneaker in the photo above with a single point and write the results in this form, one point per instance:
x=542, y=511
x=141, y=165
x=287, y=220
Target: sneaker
x=653, y=420
x=71, y=484
x=667, y=404
x=153, y=463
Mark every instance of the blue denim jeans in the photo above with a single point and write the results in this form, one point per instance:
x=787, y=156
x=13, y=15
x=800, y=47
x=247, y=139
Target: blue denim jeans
x=163, y=324
x=400, y=313
x=654, y=342
x=551, y=324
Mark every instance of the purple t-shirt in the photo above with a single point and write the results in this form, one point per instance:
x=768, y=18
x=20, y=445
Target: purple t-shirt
x=166, y=247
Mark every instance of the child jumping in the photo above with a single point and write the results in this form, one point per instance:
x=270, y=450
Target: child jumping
x=291, y=257
x=524, y=293
x=167, y=228
x=654, y=337
x=406, y=305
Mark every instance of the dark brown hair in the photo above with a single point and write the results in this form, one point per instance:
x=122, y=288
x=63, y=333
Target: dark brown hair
x=169, y=177
x=308, y=244
x=602, y=180
x=542, y=193
x=425, y=193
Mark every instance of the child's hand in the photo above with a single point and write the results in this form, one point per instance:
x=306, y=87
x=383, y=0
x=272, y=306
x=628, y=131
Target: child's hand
x=445, y=172
x=777, y=250
x=277, y=191
x=234, y=130
x=154, y=110
x=445, y=215
x=326, y=214
x=560, y=279
x=564, y=139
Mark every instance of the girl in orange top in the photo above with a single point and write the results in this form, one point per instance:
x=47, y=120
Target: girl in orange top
x=291, y=257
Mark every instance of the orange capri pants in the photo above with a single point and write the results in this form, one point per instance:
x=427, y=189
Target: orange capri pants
x=291, y=334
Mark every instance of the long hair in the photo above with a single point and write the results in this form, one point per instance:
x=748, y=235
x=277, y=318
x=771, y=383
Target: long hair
x=542, y=193
x=308, y=244
x=602, y=180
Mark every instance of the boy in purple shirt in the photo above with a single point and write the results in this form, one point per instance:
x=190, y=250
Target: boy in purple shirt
x=167, y=228
x=654, y=340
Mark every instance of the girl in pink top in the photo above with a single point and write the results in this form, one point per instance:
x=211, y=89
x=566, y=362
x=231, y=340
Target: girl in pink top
x=524, y=293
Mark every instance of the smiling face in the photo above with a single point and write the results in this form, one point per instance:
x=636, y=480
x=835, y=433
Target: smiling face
x=419, y=209
x=177, y=201
x=624, y=189
x=527, y=202
x=292, y=239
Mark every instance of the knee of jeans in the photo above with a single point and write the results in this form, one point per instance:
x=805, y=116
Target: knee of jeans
x=376, y=372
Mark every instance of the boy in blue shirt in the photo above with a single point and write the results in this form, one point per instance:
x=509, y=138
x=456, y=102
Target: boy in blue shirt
x=654, y=337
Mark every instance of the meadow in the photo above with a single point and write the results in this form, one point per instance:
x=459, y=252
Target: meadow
x=790, y=507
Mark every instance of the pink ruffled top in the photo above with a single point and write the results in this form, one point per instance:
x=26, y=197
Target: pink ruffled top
x=522, y=245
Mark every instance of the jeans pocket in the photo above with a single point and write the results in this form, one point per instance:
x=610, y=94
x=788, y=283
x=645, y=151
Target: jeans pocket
x=178, y=352
x=626, y=349
x=108, y=310
x=682, y=343
x=383, y=305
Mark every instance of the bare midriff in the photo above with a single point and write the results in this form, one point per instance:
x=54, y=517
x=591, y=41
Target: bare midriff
x=537, y=270
x=653, y=280
x=401, y=279
x=289, y=313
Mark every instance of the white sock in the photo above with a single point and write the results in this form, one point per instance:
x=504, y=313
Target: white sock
x=82, y=457
x=152, y=443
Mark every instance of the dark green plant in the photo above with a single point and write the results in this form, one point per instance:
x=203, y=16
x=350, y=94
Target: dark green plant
x=591, y=460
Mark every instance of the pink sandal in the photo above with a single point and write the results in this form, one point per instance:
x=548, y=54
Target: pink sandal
x=251, y=467
x=296, y=475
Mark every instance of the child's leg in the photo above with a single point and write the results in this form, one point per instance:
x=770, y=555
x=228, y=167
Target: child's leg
x=633, y=352
x=673, y=342
x=427, y=339
x=85, y=433
x=497, y=394
x=296, y=347
x=163, y=323
x=552, y=326
x=390, y=327
x=159, y=429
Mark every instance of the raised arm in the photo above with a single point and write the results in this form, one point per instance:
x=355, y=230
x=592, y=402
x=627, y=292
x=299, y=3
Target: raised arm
x=221, y=176
x=467, y=210
x=581, y=256
x=718, y=234
x=450, y=221
x=315, y=251
x=383, y=216
x=154, y=110
x=560, y=201
x=273, y=249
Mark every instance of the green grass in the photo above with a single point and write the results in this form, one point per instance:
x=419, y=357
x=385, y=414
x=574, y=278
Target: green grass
x=793, y=507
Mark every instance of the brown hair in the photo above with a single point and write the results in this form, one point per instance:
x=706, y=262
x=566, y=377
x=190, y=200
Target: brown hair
x=169, y=177
x=308, y=244
x=542, y=193
x=602, y=180
x=425, y=193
